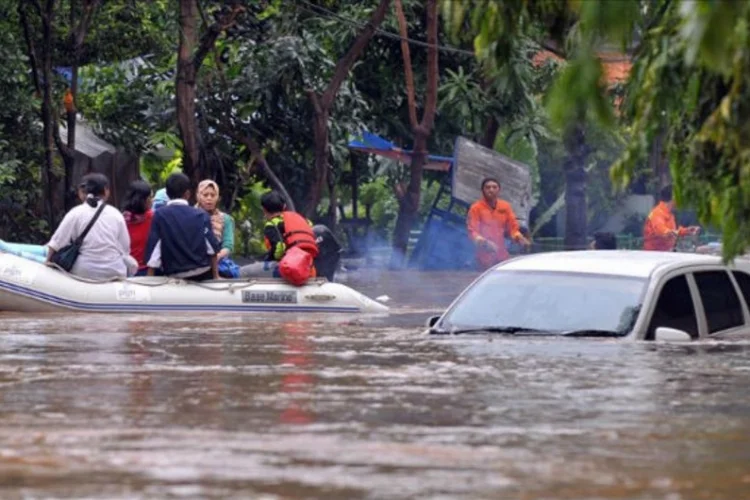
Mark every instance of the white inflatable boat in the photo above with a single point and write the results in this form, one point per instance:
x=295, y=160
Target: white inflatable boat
x=30, y=286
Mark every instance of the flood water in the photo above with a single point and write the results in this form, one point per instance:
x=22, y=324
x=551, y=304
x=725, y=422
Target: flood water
x=303, y=406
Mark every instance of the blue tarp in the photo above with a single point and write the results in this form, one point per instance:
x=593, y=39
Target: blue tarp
x=374, y=144
x=31, y=252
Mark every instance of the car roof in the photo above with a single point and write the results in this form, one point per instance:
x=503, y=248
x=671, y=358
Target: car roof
x=631, y=263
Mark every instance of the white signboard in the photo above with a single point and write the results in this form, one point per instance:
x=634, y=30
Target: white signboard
x=473, y=163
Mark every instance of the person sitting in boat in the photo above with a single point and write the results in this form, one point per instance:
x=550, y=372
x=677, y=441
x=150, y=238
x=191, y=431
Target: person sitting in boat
x=222, y=225
x=181, y=241
x=284, y=230
x=105, y=250
x=138, y=214
x=160, y=199
x=329, y=256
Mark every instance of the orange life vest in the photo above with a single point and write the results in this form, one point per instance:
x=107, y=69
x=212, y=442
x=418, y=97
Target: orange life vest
x=297, y=232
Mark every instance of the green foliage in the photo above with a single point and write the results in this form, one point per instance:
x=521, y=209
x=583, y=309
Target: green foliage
x=572, y=100
x=379, y=195
x=692, y=81
x=20, y=140
x=249, y=219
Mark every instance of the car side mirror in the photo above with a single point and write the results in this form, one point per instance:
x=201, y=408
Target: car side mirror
x=667, y=334
x=432, y=321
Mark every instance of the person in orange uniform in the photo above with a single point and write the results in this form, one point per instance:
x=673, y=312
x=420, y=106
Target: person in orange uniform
x=488, y=221
x=660, y=231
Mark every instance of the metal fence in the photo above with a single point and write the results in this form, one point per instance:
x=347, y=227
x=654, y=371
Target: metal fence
x=381, y=254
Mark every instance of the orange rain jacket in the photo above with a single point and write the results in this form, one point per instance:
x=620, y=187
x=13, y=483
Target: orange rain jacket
x=657, y=231
x=486, y=223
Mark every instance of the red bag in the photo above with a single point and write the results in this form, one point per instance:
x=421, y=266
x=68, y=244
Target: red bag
x=295, y=266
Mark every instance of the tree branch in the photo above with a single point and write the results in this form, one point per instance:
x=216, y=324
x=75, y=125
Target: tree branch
x=61, y=146
x=430, y=106
x=552, y=46
x=257, y=153
x=313, y=96
x=344, y=65
x=202, y=13
x=83, y=27
x=209, y=38
x=407, y=65
x=36, y=5
x=30, y=49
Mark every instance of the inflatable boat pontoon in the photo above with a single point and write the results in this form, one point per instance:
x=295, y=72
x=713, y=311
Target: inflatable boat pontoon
x=30, y=286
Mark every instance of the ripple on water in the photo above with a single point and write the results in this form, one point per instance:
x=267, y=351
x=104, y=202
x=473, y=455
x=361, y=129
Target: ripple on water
x=299, y=406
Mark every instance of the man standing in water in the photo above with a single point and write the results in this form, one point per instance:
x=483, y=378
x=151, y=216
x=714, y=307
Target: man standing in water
x=660, y=231
x=488, y=221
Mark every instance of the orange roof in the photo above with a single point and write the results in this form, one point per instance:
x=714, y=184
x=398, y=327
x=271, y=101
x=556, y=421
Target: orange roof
x=616, y=66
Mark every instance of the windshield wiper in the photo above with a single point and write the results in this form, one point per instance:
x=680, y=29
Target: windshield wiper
x=591, y=333
x=509, y=330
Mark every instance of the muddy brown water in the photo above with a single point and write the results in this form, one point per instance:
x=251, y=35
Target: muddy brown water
x=299, y=406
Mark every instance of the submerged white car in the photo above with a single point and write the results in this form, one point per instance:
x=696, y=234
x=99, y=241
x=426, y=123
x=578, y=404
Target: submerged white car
x=606, y=293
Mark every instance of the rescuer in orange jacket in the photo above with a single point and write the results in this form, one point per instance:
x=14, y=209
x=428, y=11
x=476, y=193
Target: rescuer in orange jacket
x=285, y=229
x=660, y=231
x=488, y=221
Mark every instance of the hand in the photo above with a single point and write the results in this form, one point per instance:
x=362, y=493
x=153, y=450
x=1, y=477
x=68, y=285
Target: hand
x=694, y=229
x=490, y=245
x=522, y=240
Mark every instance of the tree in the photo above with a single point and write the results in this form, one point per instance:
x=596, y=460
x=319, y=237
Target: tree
x=78, y=26
x=190, y=55
x=409, y=200
x=573, y=31
x=690, y=86
x=21, y=151
x=322, y=106
x=72, y=34
x=41, y=70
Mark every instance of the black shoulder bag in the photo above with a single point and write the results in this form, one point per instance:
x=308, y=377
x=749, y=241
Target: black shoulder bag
x=67, y=255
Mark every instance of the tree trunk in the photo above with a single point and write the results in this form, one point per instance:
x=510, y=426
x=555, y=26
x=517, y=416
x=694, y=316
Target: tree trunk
x=323, y=103
x=41, y=73
x=185, y=89
x=490, y=133
x=333, y=203
x=50, y=179
x=658, y=162
x=575, y=189
x=408, y=212
x=320, y=136
x=68, y=154
x=408, y=207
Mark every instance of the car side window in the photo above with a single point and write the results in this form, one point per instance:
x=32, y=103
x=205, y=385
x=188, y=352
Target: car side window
x=743, y=280
x=674, y=309
x=720, y=301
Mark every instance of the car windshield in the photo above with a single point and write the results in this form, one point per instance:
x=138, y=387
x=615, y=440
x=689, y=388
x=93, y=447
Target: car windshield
x=555, y=302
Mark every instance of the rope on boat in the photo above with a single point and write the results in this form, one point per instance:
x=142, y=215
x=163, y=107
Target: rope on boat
x=231, y=285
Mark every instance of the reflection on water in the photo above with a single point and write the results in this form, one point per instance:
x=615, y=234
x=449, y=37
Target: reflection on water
x=282, y=406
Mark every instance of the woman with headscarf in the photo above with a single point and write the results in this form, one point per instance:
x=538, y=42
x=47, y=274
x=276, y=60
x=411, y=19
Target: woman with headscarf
x=138, y=214
x=222, y=225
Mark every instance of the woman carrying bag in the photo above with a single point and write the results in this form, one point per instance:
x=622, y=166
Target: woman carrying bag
x=104, y=251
